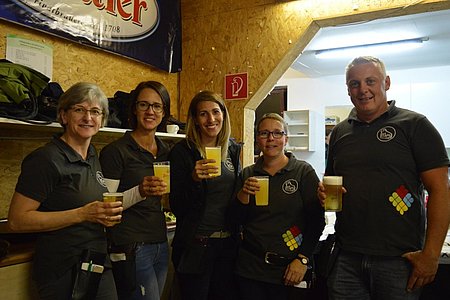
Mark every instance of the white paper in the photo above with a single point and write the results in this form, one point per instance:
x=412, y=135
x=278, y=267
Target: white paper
x=35, y=55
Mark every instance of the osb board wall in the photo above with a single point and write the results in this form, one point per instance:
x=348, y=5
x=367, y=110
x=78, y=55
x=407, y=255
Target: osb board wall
x=263, y=38
x=73, y=62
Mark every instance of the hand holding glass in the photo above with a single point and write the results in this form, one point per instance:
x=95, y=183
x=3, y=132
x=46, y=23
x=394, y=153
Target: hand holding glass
x=161, y=170
x=113, y=197
x=333, y=189
x=262, y=196
x=216, y=154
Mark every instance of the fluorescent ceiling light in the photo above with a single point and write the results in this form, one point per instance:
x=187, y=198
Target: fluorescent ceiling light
x=371, y=49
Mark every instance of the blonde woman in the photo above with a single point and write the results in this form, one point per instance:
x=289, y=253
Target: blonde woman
x=205, y=242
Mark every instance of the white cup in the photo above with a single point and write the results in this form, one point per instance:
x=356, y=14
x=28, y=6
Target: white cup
x=112, y=184
x=172, y=128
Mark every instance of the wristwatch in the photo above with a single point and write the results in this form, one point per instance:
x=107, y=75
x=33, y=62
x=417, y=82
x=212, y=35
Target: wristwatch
x=303, y=259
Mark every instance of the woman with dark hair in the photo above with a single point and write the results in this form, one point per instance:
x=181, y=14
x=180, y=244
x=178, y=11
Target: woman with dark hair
x=59, y=193
x=205, y=241
x=138, y=245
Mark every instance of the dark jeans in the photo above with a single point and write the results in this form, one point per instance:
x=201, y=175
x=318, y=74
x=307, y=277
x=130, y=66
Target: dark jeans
x=61, y=288
x=253, y=289
x=217, y=282
x=367, y=277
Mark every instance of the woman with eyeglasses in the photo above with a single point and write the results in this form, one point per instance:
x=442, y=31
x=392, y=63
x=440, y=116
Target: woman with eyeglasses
x=59, y=195
x=279, y=236
x=205, y=241
x=138, y=244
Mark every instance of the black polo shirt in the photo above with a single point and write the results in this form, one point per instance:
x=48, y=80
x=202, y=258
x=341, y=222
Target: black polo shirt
x=292, y=222
x=61, y=179
x=125, y=160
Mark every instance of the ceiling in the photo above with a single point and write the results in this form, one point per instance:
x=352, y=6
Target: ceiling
x=434, y=52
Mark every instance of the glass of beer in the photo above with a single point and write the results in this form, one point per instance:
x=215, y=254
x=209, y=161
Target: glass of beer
x=262, y=196
x=161, y=169
x=333, y=189
x=113, y=197
x=216, y=154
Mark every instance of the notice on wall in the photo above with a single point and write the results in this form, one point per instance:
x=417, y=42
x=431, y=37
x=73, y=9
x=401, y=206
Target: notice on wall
x=32, y=54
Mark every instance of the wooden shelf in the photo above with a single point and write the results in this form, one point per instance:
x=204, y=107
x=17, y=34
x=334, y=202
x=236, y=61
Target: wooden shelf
x=55, y=127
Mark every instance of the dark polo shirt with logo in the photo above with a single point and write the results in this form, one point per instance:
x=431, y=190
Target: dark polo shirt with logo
x=60, y=179
x=292, y=222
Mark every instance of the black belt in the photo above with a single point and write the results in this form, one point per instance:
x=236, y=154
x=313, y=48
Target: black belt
x=270, y=257
x=203, y=239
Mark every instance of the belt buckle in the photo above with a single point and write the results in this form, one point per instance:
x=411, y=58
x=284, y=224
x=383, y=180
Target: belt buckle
x=267, y=256
x=220, y=234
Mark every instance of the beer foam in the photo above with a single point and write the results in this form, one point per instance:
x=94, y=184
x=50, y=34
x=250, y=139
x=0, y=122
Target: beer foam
x=332, y=180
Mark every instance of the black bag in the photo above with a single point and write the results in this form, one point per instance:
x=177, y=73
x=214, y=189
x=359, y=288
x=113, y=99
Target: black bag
x=326, y=255
x=123, y=260
x=48, y=102
x=118, y=110
x=88, y=274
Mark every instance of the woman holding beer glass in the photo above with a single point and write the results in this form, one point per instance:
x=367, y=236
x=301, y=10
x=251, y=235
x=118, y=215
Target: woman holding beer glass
x=58, y=194
x=205, y=242
x=139, y=243
x=280, y=234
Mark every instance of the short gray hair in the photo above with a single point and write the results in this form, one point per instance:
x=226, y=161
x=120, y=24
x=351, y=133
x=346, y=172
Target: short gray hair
x=365, y=60
x=83, y=92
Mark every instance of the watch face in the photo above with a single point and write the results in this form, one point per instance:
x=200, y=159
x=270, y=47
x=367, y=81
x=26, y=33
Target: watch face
x=304, y=260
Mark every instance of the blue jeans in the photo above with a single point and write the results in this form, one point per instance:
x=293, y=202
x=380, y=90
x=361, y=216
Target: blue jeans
x=368, y=277
x=152, y=261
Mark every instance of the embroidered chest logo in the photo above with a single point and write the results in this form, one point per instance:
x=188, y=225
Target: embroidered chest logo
x=293, y=238
x=401, y=199
x=100, y=179
x=229, y=164
x=386, y=134
x=290, y=186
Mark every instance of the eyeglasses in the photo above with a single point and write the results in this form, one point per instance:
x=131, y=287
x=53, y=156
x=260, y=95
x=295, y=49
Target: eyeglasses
x=144, y=106
x=95, y=112
x=264, y=134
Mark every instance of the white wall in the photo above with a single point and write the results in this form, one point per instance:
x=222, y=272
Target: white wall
x=423, y=90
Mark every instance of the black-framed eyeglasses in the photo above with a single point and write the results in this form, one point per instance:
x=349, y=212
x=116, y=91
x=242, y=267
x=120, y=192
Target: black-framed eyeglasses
x=144, y=106
x=94, y=112
x=264, y=134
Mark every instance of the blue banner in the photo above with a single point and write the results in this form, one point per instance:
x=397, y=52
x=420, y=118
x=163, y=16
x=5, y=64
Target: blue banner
x=148, y=31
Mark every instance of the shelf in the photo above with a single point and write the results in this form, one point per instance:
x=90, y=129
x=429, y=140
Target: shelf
x=297, y=135
x=297, y=124
x=296, y=148
x=56, y=126
x=300, y=130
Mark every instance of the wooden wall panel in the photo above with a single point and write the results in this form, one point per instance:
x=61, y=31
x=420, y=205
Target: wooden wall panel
x=74, y=62
x=263, y=38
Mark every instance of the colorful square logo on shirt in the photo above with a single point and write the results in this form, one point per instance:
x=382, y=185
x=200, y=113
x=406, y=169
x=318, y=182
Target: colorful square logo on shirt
x=401, y=199
x=293, y=238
